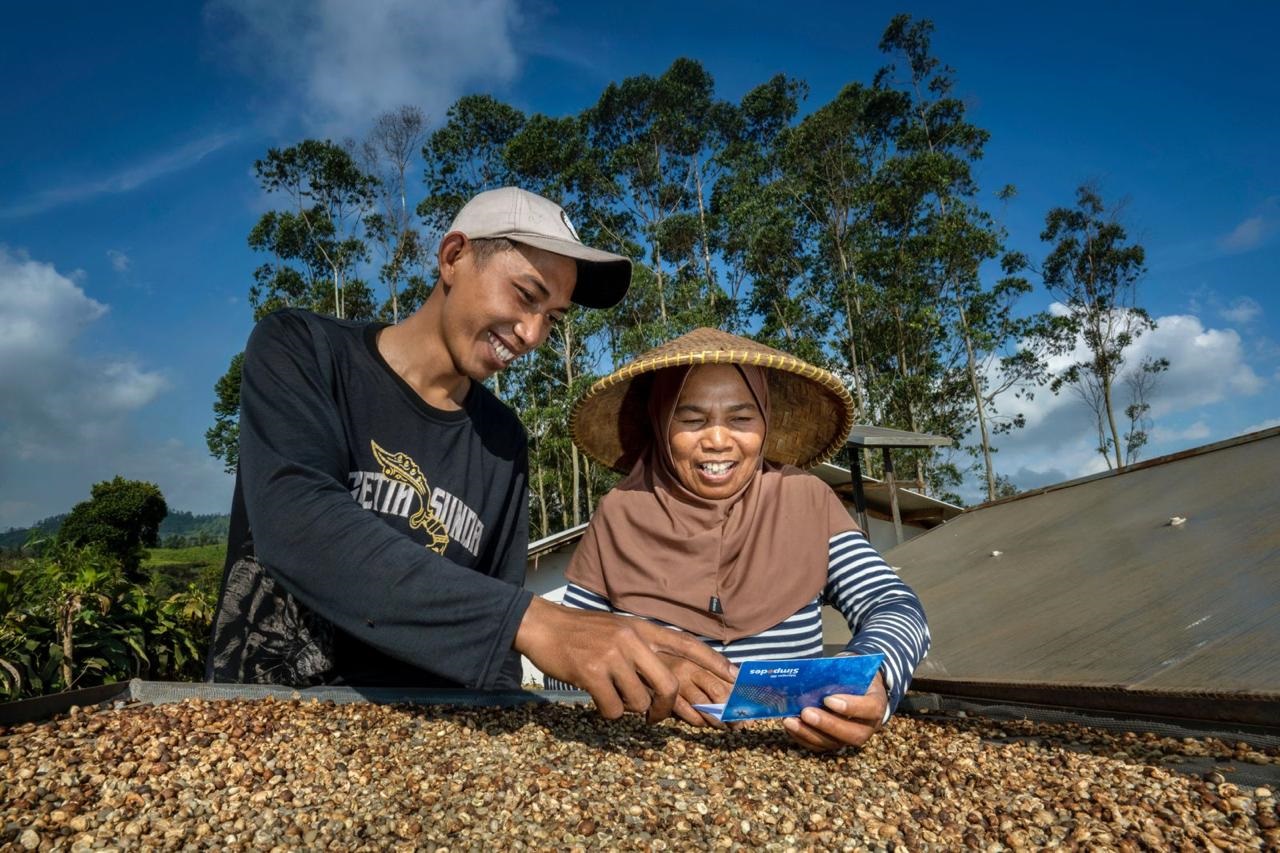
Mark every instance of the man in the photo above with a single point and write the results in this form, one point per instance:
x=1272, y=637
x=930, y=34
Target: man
x=379, y=527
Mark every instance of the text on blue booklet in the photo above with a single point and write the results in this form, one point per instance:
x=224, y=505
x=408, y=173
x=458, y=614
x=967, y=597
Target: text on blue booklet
x=765, y=689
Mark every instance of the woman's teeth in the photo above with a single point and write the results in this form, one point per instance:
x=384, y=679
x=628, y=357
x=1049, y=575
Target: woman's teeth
x=503, y=353
x=716, y=468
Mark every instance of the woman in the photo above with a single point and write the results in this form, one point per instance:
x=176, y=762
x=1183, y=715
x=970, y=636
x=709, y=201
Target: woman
x=716, y=529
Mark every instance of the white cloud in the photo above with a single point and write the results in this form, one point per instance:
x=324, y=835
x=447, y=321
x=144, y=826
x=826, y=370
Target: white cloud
x=124, y=180
x=1253, y=231
x=343, y=63
x=1258, y=427
x=1241, y=311
x=1245, y=236
x=53, y=395
x=120, y=262
x=1197, y=431
x=44, y=312
x=67, y=416
x=1207, y=367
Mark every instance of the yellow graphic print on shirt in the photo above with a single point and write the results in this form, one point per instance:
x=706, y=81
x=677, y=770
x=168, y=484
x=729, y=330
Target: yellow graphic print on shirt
x=401, y=468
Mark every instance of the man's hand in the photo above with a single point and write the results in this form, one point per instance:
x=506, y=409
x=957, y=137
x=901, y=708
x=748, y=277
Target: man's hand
x=698, y=686
x=614, y=658
x=845, y=721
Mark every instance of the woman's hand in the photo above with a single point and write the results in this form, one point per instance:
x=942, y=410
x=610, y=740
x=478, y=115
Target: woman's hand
x=844, y=721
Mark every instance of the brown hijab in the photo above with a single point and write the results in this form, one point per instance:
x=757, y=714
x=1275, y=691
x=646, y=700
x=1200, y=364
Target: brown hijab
x=724, y=569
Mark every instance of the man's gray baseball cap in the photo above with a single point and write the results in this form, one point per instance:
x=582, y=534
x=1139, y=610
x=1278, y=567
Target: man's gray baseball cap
x=523, y=217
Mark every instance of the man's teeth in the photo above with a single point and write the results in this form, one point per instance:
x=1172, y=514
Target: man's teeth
x=716, y=467
x=503, y=353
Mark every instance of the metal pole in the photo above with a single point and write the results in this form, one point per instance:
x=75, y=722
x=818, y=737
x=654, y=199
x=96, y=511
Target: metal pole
x=893, y=494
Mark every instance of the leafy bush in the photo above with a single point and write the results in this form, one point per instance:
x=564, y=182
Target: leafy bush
x=69, y=618
x=122, y=517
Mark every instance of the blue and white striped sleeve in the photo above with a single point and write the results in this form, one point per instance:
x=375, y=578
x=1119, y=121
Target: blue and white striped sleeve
x=884, y=615
x=584, y=599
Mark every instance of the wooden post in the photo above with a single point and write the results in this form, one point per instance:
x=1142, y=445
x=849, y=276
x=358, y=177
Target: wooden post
x=893, y=494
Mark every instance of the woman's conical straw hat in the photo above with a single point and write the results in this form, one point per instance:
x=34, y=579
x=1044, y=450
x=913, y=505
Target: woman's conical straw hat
x=811, y=410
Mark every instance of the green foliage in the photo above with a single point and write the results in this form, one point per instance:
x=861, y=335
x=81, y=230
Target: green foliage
x=223, y=437
x=173, y=570
x=316, y=247
x=1094, y=272
x=70, y=618
x=852, y=233
x=122, y=517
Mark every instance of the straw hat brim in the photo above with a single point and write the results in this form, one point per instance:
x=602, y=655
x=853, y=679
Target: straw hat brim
x=811, y=411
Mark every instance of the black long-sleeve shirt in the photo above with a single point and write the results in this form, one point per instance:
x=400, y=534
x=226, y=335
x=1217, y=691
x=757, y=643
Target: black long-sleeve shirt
x=400, y=525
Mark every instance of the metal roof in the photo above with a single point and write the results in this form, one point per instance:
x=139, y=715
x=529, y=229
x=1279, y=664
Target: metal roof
x=915, y=507
x=1163, y=576
x=556, y=541
x=863, y=435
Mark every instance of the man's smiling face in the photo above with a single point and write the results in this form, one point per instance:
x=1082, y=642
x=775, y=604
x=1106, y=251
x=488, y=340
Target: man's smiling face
x=502, y=306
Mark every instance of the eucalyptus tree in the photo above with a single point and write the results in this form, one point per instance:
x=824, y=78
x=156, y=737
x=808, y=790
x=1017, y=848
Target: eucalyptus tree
x=315, y=247
x=937, y=147
x=835, y=161
x=466, y=156
x=320, y=238
x=1093, y=272
x=386, y=154
x=551, y=156
x=656, y=141
x=767, y=275
x=1140, y=382
x=750, y=201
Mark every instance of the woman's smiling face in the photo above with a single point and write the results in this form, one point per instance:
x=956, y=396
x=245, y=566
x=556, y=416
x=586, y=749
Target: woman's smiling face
x=716, y=433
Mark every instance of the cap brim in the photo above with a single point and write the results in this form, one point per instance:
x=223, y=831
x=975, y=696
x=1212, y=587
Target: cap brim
x=603, y=277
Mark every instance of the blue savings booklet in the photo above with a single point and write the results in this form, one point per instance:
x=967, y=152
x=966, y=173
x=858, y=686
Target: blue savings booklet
x=766, y=689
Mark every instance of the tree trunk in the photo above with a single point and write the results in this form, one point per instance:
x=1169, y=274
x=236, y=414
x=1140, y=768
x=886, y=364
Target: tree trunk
x=852, y=307
x=66, y=625
x=907, y=401
x=567, y=335
x=542, y=498
x=536, y=472
x=702, y=221
x=577, y=498
x=560, y=490
x=978, y=402
x=1111, y=419
x=662, y=296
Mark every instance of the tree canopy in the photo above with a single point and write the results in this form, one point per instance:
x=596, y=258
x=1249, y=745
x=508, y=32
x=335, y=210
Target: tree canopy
x=853, y=233
x=122, y=517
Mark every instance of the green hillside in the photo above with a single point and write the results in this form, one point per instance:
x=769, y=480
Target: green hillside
x=178, y=530
x=171, y=569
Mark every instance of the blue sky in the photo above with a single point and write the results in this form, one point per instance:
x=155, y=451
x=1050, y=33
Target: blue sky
x=130, y=130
